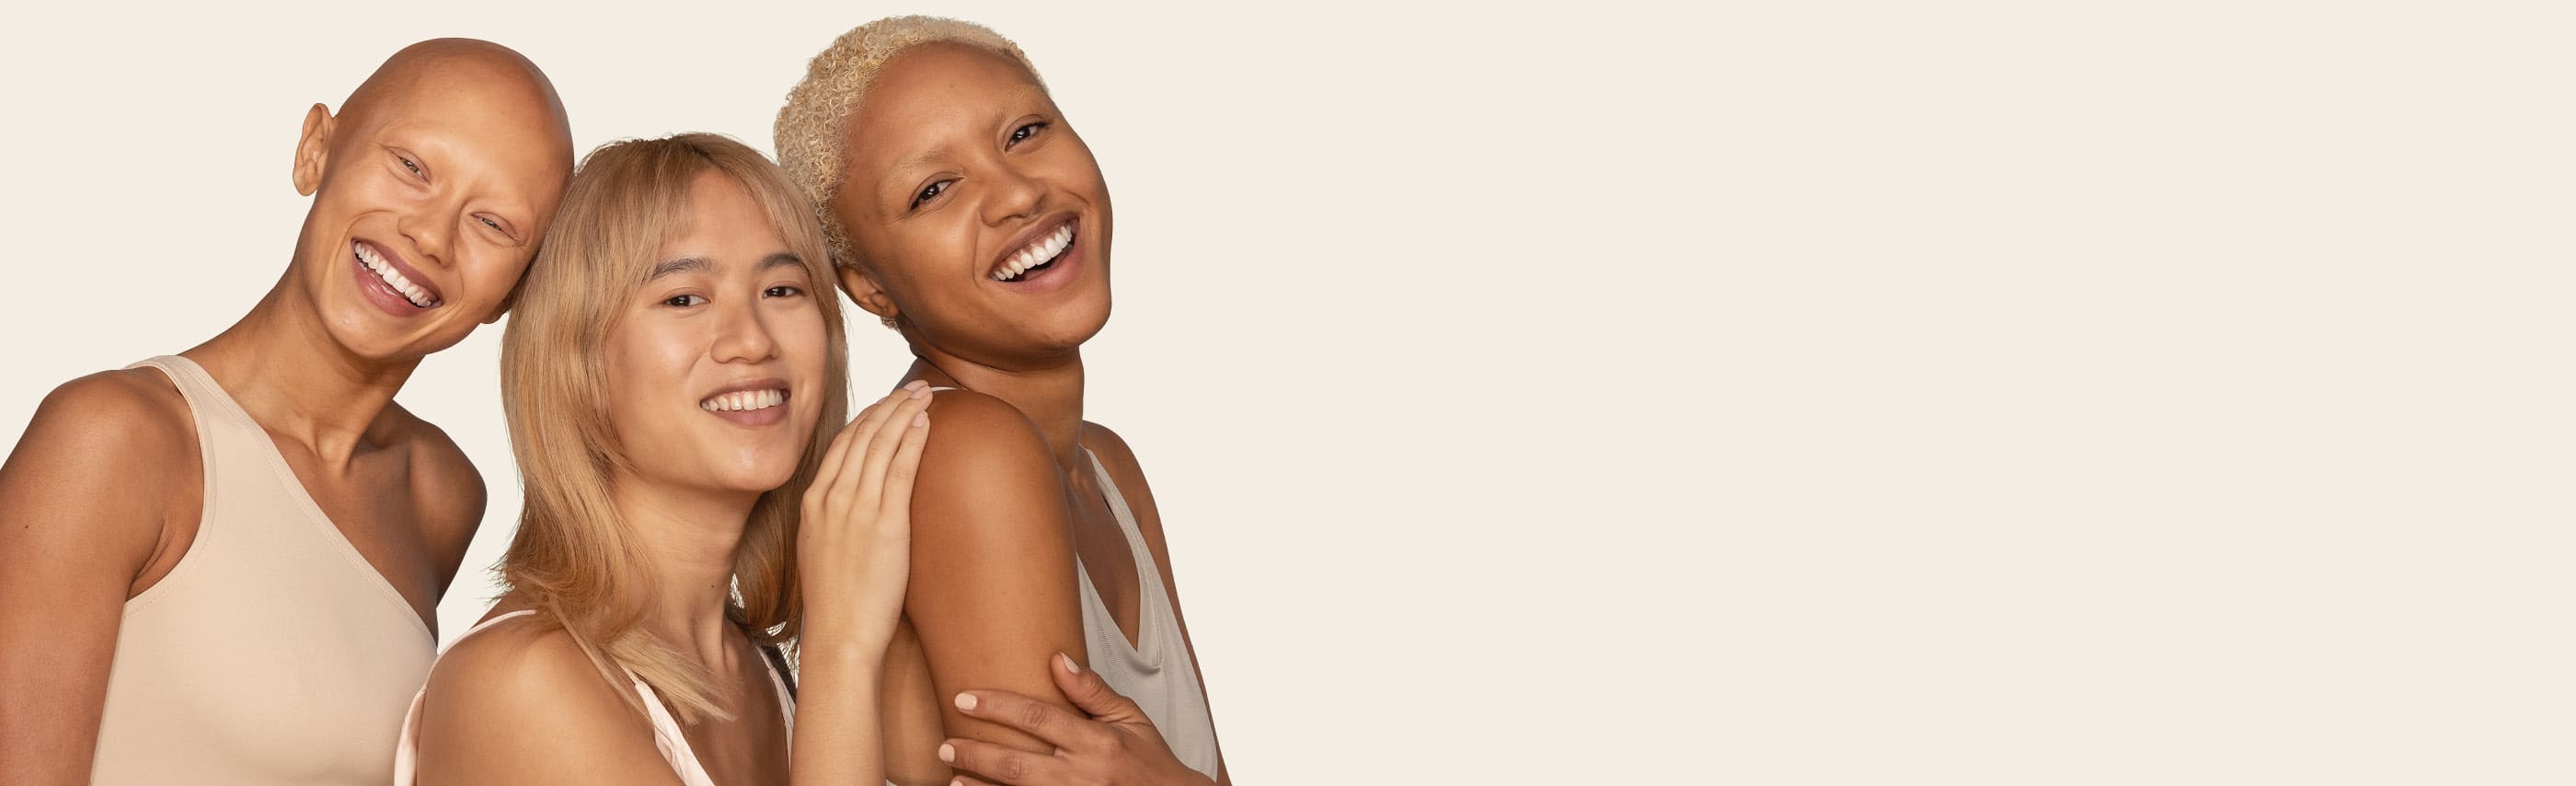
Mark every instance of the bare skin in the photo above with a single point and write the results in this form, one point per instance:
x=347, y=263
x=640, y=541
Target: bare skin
x=452, y=157
x=958, y=159
x=520, y=703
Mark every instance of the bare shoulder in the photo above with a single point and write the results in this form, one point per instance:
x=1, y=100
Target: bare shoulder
x=128, y=430
x=527, y=660
x=983, y=448
x=513, y=699
x=127, y=413
x=444, y=483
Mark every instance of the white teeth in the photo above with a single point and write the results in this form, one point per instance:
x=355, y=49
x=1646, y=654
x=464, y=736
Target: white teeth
x=393, y=278
x=743, y=400
x=1036, y=254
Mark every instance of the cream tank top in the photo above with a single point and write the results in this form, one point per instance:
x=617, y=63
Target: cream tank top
x=1156, y=671
x=273, y=653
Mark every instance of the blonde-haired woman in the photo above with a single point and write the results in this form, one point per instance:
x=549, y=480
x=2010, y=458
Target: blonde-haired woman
x=671, y=373
x=965, y=212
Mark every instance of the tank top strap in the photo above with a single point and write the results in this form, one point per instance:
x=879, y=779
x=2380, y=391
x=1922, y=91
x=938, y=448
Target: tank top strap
x=1126, y=522
x=206, y=400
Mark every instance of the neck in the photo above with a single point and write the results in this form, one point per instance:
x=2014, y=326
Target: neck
x=1050, y=394
x=325, y=400
x=687, y=539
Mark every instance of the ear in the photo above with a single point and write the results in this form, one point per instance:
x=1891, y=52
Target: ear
x=312, y=149
x=864, y=291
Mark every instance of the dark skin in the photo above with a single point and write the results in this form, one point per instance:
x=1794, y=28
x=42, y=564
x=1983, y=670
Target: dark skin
x=959, y=160
x=451, y=157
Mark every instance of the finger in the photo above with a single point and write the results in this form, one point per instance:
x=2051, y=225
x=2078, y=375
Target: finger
x=826, y=472
x=906, y=467
x=869, y=422
x=1002, y=764
x=881, y=448
x=1093, y=694
x=1056, y=725
x=968, y=780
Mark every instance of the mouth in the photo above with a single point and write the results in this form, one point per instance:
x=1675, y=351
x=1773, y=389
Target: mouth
x=1036, y=256
x=398, y=279
x=757, y=402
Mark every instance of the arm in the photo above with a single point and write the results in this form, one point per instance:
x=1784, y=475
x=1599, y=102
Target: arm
x=992, y=592
x=853, y=545
x=452, y=500
x=1114, y=744
x=83, y=500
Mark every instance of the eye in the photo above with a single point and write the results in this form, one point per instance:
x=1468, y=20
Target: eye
x=1025, y=131
x=929, y=192
x=682, y=301
x=409, y=165
x=495, y=225
x=783, y=290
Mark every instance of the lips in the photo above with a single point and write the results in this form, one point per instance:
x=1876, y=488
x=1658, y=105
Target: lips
x=751, y=402
x=401, y=279
x=1035, y=248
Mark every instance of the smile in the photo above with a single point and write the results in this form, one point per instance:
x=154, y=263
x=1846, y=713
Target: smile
x=419, y=296
x=1036, y=256
x=744, y=400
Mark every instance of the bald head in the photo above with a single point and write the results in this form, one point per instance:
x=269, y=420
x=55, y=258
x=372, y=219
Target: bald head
x=451, y=67
x=448, y=162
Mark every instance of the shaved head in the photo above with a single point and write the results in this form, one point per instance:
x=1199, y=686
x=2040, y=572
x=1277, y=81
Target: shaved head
x=454, y=64
x=432, y=186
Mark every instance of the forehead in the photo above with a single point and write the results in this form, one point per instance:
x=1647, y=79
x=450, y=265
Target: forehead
x=480, y=124
x=930, y=92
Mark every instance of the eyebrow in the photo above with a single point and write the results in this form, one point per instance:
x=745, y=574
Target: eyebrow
x=681, y=265
x=916, y=160
x=701, y=264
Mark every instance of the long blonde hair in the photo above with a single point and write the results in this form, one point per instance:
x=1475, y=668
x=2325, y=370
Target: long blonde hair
x=574, y=557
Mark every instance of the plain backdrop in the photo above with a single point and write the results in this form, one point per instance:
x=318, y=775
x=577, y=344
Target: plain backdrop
x=1842, y=392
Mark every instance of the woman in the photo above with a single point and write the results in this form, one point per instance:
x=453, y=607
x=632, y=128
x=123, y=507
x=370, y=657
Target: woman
x=223, y=566
x=964, y=212
x=669, y=372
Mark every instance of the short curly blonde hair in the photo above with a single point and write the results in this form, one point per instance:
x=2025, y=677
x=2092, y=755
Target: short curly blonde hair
x=809, y=135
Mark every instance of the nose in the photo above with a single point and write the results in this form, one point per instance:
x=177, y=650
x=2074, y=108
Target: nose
x=430, y=229
x=742, y=335
x=1011, y=193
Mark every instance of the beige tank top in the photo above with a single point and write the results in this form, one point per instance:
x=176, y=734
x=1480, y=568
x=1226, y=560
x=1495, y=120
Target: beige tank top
x=273, y=653
x=1156, y=671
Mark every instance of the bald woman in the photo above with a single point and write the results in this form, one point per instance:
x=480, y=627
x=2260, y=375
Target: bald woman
x=223, y=566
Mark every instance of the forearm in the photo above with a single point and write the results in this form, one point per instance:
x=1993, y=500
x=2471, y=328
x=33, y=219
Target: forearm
x=838, y=738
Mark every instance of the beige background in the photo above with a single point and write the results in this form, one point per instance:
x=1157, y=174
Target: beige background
x=1829, y=393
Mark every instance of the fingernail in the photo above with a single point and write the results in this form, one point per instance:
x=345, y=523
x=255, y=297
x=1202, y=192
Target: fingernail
x=920, y=419
x=919, y=392
x=965, y=701
x=947, y=754
x=1070, y=667
x=916, y=384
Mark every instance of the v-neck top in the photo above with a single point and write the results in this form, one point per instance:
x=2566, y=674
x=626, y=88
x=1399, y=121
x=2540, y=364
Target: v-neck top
x=1156, y=670
x=272, y=653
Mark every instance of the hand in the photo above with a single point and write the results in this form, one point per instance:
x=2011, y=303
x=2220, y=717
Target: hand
x=854, y=544
x=1116, y=745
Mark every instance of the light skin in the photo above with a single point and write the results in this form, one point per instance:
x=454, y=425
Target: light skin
x=727, y=308
x=958, y=159
x=446, y=163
